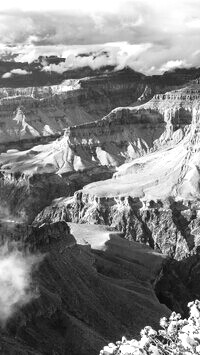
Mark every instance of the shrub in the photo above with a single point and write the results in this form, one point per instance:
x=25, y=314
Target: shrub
x=177, y=337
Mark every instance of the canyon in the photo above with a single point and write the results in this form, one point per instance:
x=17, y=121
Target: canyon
x=33, y=112
x=30, y=112
x=138, y=202
x=100, y=175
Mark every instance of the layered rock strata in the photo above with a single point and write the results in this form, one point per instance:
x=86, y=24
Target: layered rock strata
x=38, y=111
x=32, y=112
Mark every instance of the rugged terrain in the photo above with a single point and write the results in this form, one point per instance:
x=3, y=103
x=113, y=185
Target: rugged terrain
x=92, y=286
x=29, y=111
x=128, y=187
x=124, y=134
x=32, y=112
x=153, y=199
x=165, y=128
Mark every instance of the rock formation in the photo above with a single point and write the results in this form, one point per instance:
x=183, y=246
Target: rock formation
x=175, y=156
x=32, y=112
x=90, y=287
x=122, y=135
x=153, y=199
x=128, y=187
x=85, y=153
x=29, y=112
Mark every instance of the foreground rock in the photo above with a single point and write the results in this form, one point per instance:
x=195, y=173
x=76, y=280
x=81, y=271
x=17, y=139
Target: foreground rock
x=87, y=296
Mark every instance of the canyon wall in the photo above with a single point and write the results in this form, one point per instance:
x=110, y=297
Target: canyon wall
x=126, y=135
x=95, y=284
x=167, y=226
x=33, y=112
x=119, y=137
x=153, y=199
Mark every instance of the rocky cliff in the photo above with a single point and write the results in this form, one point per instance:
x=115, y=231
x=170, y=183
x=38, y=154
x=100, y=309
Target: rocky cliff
x=41, y=111
x=176, y=107
x=168, y=226
x=120, y=136
x=23, y=197
x=32, y=178
x=153, y=199
x=91, y=287
x=145, y=177
x=126, y=135
x=32, y=111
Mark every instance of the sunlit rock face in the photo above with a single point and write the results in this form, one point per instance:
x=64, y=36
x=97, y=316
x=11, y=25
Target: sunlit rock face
x=178, y=108
x=139, y=138
x=174, y=157
x=152, y=198
x=86, y=153
x=89, y=272
x=38, y=111
x=30, y=112
x=122, y=135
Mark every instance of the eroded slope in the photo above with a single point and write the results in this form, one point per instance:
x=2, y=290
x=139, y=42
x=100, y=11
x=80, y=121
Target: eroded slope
x=86, y=296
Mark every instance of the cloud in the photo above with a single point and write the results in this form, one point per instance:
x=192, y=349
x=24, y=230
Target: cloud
x=6, y=75
x=17, y=71
x=171, y=64
x=15, y=280
x=194, y=23
x=170, y=28
x=75, y=5
x=116, y=54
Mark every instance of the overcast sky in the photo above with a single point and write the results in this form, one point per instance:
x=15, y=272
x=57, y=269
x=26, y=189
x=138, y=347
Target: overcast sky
x=149, y=35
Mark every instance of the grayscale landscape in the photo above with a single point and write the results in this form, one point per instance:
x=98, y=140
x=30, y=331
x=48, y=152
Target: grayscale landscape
x=99, y=177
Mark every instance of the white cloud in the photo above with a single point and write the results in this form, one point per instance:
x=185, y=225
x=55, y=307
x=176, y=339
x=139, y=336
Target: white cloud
x=193, y=23
x=15, y=280
x=170, y=28
x=17, y=71
x=6, y=75
x=62, y=5
x=117, y=54
x=28, y=54
x=171, y=64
